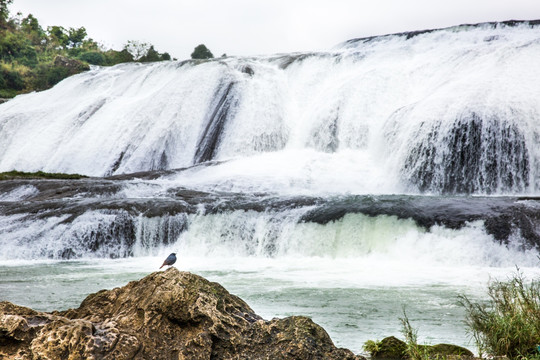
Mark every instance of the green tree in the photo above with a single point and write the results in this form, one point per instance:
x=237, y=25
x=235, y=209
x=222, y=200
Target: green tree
x=201, y=52
x=32, y=58
x=151, y=55
x=76, y=37
x=30, y=24
x=13, y=46
x=58, y=36
x=4, y=13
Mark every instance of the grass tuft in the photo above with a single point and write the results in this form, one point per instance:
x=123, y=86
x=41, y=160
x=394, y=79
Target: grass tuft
x=414, y=350
x=509, y=323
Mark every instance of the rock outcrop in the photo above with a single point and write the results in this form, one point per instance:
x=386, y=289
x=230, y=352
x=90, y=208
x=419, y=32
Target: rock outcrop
x=166, y=315
x=73, y=66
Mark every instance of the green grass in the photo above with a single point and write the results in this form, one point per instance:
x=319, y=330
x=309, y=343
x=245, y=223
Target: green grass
x=9, y=175
x=509, y=323
x=415, y=351
x=371, y=346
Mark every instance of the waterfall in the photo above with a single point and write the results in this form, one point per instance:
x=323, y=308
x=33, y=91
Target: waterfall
x=391, y=170
x=446, y=111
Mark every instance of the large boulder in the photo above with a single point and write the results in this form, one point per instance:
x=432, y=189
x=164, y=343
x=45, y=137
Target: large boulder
x=73, y=66
x=166, y=315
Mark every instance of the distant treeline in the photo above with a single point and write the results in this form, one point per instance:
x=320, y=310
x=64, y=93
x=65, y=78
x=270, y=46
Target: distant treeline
x=33, y=58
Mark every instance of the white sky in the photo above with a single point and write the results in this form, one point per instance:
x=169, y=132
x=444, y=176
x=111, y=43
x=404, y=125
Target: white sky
x=251, y=27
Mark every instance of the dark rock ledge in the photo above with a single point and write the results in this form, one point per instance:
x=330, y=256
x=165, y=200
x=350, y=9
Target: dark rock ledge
x=166, y=315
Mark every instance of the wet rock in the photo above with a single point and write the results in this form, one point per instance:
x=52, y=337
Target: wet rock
x=391, y=348
x=166, y=315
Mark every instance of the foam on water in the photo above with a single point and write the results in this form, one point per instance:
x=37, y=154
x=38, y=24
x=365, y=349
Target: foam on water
x=451, y=111
x=389, y=105
x=20, y=193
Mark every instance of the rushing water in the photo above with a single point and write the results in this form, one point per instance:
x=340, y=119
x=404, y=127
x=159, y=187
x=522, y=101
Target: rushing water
x=395, y=171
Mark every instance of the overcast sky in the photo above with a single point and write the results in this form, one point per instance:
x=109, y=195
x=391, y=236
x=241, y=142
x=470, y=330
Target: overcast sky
x=251, y=27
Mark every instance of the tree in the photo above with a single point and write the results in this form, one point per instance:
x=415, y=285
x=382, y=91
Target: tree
x=76, y=37
x=31, y=24
x=137, y=49
x=151, y=55
x=58, y=36
x=4, y=13
x=201, y=52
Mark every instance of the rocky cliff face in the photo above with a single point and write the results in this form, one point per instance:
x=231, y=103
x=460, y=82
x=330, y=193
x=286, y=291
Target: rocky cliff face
x=166, y=315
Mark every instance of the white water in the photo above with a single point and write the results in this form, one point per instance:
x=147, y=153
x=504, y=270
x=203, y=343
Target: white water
x=375, y=117
x=367, y=111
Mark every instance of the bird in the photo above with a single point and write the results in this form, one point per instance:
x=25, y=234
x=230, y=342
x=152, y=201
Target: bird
x=171, y=259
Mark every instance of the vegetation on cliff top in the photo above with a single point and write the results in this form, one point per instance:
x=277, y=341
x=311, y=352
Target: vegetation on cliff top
x=9, y=175
x=33, y=58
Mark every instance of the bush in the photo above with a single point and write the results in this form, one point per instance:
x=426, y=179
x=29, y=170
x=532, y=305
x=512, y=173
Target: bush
x=114, y=57
x=56, y=74
x=48, y=75
x=201, y=52
x=7, y=93
x=93, y=57
x=151, y=55
x=12, y=80
x=509, y=324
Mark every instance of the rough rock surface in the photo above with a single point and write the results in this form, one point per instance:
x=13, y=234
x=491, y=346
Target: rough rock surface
x=391, y=348
x=166, y=315
x=72, y=65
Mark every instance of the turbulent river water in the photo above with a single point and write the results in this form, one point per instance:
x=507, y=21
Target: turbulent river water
x=393, y=171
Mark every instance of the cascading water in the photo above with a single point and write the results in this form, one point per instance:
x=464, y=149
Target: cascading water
x=400, y=169
x=451, y=111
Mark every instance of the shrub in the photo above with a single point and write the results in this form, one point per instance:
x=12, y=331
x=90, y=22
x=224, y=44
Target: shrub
x=151, y=55
x=7, y=93
x=509, y=324
x=93, y=57
x=371, y=346
x=12, y=80
x=114, y=57
x=48, y=75
x=201, y=52
x=56, y=74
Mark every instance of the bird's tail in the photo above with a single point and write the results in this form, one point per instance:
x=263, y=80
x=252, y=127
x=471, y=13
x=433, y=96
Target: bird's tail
x=162, y=266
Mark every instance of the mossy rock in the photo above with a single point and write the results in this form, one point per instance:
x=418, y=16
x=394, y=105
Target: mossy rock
x=444, y=350
x=395, y=349
x=390, y=348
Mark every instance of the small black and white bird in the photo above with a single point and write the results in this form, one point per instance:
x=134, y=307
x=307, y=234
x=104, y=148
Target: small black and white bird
x=171, y=259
